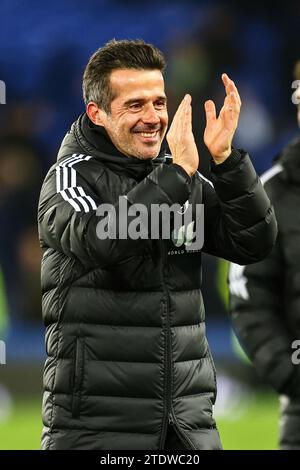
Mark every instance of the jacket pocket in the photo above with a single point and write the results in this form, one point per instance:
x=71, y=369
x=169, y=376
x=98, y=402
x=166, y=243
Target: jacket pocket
x=208, y=354
x=77, y=376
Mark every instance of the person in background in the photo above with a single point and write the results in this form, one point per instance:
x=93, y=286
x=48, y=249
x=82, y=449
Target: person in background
x=265, y=296
x=20, y=254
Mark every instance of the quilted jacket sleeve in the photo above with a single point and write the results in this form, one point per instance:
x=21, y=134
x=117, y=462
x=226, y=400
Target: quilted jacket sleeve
x=67, y=216
x=239, y=220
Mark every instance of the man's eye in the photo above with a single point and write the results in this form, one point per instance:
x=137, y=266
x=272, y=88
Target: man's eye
x=135, y=106
x=160, y=104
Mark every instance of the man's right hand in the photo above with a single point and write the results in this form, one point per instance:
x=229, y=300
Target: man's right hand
x=181, y=139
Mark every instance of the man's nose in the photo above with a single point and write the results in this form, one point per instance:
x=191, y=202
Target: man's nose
x=150, y=115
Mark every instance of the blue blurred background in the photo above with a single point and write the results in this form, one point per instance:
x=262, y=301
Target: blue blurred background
x=44, y=48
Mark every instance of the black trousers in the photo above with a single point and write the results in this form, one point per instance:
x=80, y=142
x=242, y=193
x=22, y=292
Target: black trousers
x=172, y=441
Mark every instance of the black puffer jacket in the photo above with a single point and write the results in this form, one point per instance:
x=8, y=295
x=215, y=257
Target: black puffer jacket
x=265, y=296
x=124, y=319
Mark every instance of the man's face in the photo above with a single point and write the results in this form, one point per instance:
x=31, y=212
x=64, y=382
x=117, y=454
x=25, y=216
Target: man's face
x=138, y=120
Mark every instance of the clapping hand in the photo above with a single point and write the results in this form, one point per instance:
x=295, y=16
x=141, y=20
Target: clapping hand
x=220, y=130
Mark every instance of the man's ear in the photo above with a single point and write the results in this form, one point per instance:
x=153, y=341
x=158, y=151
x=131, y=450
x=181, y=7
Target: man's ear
x=96, y=114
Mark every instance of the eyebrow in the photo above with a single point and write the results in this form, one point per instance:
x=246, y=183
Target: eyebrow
x=142, y=100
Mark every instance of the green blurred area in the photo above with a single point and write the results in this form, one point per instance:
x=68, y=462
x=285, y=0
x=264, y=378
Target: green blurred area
x=255, y=429
x=21, y=429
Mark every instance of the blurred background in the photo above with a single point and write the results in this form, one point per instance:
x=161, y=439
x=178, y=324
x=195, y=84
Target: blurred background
x=43, y=52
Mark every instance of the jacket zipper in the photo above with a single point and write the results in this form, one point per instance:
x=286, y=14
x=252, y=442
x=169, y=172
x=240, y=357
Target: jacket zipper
x=169, y=417
x=179, y=432
x=168, y=354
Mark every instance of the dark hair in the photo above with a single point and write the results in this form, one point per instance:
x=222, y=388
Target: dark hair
x=123, y=54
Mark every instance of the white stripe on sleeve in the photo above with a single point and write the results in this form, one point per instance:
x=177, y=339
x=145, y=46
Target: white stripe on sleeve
x=66, y=184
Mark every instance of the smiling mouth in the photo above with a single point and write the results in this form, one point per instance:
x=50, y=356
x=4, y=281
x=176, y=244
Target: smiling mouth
x=149, y=136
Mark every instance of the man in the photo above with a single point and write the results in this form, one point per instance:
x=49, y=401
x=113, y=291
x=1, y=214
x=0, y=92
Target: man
x=129, y=366
x=265, y=297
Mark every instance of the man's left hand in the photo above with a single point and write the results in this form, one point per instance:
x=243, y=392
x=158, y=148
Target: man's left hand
x=219, y=131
